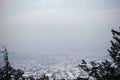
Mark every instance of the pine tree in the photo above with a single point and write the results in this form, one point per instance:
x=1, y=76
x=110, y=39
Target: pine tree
x=7, y=72
x=115, y=48
x=106, y=70
x=44, y=77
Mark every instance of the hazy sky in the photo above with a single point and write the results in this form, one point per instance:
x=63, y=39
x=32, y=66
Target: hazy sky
x=58, y=26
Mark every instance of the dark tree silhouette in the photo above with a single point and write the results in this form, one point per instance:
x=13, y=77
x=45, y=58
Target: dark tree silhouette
x=6, y=62
x=7, y=72
x=44, y=77
x=106, y=70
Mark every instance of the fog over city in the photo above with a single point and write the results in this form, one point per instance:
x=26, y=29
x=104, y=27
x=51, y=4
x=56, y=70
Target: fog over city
x=49, y=38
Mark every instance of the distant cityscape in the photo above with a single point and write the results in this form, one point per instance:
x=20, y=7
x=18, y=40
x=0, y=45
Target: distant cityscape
x=54, y=66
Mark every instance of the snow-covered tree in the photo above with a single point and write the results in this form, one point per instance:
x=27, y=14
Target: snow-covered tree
x=44, y=77
x=115, y=48
x=108, y=69
x=7, y=72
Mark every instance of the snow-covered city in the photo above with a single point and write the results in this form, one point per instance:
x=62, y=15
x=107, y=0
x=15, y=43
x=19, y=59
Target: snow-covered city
x=54, y=66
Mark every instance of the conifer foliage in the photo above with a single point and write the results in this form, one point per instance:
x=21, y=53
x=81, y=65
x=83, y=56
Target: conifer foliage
x=7, y=72
x=108, y=69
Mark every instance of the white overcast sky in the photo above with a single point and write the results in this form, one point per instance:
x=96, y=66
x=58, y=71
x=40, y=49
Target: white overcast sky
x=58, y=26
